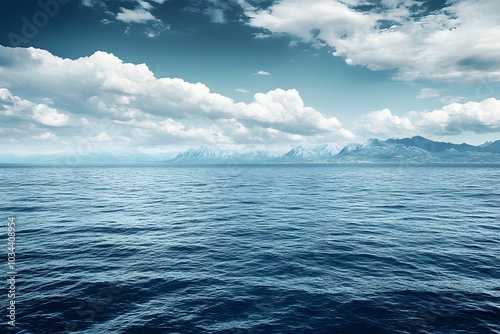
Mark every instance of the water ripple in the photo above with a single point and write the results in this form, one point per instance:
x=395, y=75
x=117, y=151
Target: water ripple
x=256, y=249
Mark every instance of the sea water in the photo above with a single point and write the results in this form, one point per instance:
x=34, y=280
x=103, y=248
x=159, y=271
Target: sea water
x=254, y=248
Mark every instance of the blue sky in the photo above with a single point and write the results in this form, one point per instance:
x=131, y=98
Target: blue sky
x=161, y=76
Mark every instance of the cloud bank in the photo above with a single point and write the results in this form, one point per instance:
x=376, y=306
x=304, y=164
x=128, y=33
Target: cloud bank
x=48, y=97
x=452, y=119
x=47, y=101
x=458, y=42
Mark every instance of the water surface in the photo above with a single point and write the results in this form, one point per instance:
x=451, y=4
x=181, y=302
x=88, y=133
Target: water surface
x=256, y=248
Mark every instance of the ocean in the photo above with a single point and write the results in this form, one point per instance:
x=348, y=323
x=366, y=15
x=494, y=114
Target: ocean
x=317, y=248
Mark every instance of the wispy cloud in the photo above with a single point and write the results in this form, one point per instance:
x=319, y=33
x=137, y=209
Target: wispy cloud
x=216, y=15
x=138, y=15
x=260, y=35
x=45, y=136
x=145, y=5
x=141, y=15
x=218, y=11
x=156, y=28
x=94, y=3
x=262, y=73
x=242, y=90
x=427, y=93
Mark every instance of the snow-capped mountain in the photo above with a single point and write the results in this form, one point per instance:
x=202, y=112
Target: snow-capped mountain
x=207, y=154
x=204, y=153
x=417, y=150
x=434, y=146
x=449, y=152
x=301, y=151
x=489, y=142
x=328, y=149
x=322, y=153
x=375, y=150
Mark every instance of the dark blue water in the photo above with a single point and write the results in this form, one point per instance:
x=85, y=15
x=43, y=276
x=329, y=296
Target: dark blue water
x=255, y=249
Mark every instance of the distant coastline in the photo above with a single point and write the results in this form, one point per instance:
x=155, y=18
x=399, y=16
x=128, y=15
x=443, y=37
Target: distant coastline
x=415, y=150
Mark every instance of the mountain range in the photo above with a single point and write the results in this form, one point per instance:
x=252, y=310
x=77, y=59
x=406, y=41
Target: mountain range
x=407, y=150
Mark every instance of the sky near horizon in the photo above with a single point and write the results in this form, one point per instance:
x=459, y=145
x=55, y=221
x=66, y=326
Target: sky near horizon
x=164, y=75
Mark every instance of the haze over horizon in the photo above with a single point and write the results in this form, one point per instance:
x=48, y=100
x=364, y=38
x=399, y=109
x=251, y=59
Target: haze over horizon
x=161, y=76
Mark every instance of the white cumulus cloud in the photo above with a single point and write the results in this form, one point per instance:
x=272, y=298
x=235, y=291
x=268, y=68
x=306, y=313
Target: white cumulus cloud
x=145, y=110
x=19, y=108
x=49, y=116
x=456, y=43
x=452, y=119
x=383, y=122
